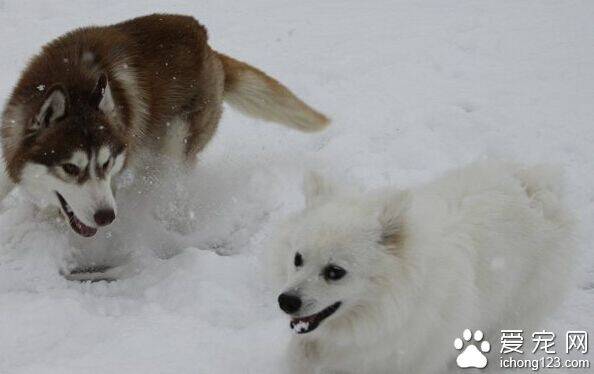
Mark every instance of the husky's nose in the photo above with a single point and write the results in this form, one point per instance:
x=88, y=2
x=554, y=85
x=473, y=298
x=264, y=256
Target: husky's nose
x=289, y=303
x=104, y=217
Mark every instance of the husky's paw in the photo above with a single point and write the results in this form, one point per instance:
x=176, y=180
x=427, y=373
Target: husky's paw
x=471, y=356
x=91, y=274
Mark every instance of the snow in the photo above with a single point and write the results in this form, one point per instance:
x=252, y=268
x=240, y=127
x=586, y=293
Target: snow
x=414, y=88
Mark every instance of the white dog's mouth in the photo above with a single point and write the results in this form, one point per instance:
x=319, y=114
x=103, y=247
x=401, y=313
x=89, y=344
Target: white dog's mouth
x=76, y=224
x=303, y=325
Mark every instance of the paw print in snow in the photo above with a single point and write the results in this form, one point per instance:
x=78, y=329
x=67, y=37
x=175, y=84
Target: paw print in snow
x=471, y=356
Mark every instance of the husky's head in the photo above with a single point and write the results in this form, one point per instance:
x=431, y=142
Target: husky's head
x=343, y=254
x=67, y=150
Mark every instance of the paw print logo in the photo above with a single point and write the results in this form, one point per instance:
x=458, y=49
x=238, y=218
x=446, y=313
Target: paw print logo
x=471, y=356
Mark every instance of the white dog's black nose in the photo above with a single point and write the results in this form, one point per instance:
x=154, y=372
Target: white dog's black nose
x=289, y=303
x=104, y=217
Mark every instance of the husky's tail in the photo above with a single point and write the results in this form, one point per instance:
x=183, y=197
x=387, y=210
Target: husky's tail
x=254, y=93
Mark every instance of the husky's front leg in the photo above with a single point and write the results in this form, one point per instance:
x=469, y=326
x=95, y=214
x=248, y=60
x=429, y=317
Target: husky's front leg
x=99, y=273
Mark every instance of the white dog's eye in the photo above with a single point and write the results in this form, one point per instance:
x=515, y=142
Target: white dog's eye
x=333, y=272
x=298, y=261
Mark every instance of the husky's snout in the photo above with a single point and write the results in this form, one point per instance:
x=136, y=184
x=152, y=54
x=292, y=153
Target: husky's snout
x=104, y=217
x=88, y=206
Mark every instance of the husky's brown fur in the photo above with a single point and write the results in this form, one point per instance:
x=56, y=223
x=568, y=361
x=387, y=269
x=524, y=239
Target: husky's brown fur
x=161, y=72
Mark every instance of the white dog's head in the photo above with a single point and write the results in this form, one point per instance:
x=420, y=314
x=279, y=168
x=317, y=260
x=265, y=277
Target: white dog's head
x=344, y=252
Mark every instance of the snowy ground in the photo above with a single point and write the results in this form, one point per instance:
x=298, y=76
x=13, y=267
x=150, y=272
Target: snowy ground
x=414, y=88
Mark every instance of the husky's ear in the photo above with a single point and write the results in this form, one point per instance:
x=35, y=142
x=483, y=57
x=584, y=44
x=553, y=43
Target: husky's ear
x=392, y=218
x=316, y=189
x=101, y=97
x=52, y=109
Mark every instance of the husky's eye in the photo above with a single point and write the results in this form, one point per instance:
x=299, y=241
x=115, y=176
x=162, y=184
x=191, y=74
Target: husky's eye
x=333, y=272
x=71, y=169
x=106, y=164
x=298, y=260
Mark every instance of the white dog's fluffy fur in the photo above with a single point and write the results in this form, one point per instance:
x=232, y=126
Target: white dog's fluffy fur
x=484, y=247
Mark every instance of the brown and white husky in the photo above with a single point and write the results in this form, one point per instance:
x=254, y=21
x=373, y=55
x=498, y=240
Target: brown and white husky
x=99, y=100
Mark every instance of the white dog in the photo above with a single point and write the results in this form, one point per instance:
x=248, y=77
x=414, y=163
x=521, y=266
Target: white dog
x=384, y=283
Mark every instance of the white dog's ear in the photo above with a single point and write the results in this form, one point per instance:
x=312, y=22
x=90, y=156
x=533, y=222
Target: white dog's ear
x=392, y=219
x=101, y=97
x=52, y=109
x=316, y=189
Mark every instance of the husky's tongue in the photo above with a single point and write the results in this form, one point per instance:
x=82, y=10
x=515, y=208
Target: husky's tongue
x=76, y=224
x=81, y=228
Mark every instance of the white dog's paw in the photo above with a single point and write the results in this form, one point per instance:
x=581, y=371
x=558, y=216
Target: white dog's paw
x=471, y=356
